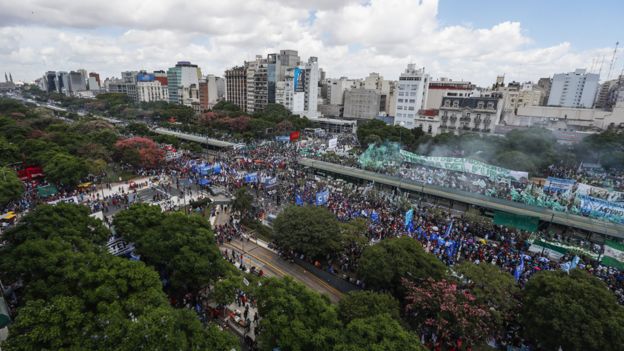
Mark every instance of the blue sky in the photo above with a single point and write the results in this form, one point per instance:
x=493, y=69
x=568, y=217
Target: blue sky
x=585, y=24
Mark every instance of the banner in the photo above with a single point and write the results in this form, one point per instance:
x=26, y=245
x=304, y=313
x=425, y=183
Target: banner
x=251, y=177
x=599, y=193
x=269, y=181
x=298, y=200
x=598, y=208
x=332, y=144
x=282, y=138
x=559, y=185
x=613, y=255
x=527, y=223
x=216, y=169
x=465, y=165
x=322, y=197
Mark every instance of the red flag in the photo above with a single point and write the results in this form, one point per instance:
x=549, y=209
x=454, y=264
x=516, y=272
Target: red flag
x=294, y=136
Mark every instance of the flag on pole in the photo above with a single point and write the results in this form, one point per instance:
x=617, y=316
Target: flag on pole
x=449, y=228
x=294, y=136
x=519, y=268
x=409, y=216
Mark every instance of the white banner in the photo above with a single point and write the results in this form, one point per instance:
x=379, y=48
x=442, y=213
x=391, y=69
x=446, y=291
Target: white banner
x=332, y=144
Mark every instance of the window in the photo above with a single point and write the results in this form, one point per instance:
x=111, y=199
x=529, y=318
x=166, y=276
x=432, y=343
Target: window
x=399, y=107
x=412, y=100
x=480, y=104
x=455, y=103
x=490, y=105
x=400, y=100
x=447, y=103
x=411, y=108
x=429, y=129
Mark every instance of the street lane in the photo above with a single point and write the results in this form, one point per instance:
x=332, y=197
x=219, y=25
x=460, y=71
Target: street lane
x=273, y=265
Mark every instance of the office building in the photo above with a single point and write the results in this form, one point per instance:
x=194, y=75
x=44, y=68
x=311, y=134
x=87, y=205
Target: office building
x=236, y=86
x=361, y=103
x=149, y=89
x=208, y=92
x=183, y=84
x=573, y=89
x=446, y=87
x=51, y=82
x=413, y=87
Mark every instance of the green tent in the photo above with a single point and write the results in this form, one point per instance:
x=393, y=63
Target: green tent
x=46, y=191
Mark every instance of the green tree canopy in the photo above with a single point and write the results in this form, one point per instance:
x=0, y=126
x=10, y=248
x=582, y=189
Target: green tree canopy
x=573, y=311
x=11, y=187
x=65, y=169
x=180, y=246
x=313, y=231
x=295, y=318
x=364, y=304
x=379, y=332
x=382, y=266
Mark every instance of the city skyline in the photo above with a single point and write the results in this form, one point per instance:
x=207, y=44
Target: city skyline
x=350, y=38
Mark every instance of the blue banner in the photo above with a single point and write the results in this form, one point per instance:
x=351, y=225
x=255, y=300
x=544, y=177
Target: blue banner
x=216, y=169
x=598, y=208
x=298, y=200
x=203, y=182
x=282, y=138
x=375, y=216
x=558, y=184
x=251, y=178
x=322, y=197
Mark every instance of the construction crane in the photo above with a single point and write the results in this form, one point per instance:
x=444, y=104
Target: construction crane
x=613, y=59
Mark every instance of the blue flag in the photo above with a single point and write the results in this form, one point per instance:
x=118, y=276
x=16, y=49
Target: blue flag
x=251, y=178
x=216, y=169
x=519, y=268
x=374, y=216
x=409, y=216
x=322, y=197
x=449, y=228
x=298, y=200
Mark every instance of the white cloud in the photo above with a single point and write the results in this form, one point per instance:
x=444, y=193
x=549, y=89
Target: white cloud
x=350, y=37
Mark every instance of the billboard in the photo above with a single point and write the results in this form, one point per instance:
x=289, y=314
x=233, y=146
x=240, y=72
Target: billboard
x=299, y=79
x=145, y=77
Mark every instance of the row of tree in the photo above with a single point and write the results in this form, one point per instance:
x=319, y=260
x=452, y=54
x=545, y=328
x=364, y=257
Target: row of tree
x=73, y=295
x=469, y=302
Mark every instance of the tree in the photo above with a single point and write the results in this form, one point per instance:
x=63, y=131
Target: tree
x=139, y=152
x=69, y=222
x=573, y=311
x=65, y=169
x=379, y=332
x=452, y=313
x=313, y=231
x=180, y=246
x=9, y=152
x=295, y=318
x=11, y=187
x=243, y=202
x=364, y=304
x=492, y=288
x=382, y=266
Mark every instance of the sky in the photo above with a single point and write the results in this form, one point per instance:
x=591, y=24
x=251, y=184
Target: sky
x=473, y=40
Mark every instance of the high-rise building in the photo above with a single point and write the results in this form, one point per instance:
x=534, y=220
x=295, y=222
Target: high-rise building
x=96, y=76
x=208, y=94
x=361, y=103
x=236, y=86
x=129, y=76
x=413, y=87
x=122, y=87
x=51, y=82
x=93, y=84
x=311, y=88
x=63, y=83
x=77, y=82
x=183, y=84
x=257, y=84
x=573, y=89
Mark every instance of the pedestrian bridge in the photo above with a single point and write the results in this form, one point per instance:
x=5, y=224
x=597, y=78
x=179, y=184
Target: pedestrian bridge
x=544, y=214
x=194, y=137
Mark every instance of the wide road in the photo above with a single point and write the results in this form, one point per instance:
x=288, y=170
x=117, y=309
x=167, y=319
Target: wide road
x=273, y=265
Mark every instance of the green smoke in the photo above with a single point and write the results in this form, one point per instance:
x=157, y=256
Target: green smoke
x=381, y=156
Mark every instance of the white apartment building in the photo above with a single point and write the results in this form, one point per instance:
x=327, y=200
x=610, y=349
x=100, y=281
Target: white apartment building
x=574, y=89
x=446, y=87
x=299, y=91
x=151, y=91
x=411, y=95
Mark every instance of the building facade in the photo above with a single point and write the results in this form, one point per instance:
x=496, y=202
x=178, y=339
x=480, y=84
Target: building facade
x=236, y=86
x=471, y=114
x=183, y=84
x=446, y=87
x=411, y=95
x=574, y=89
x=257, y=84
x=149, y=89
x=208, y=94
x=361, y=103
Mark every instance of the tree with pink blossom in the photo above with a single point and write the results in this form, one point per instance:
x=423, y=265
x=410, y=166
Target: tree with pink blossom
x=139, y=152
x=452, y=313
